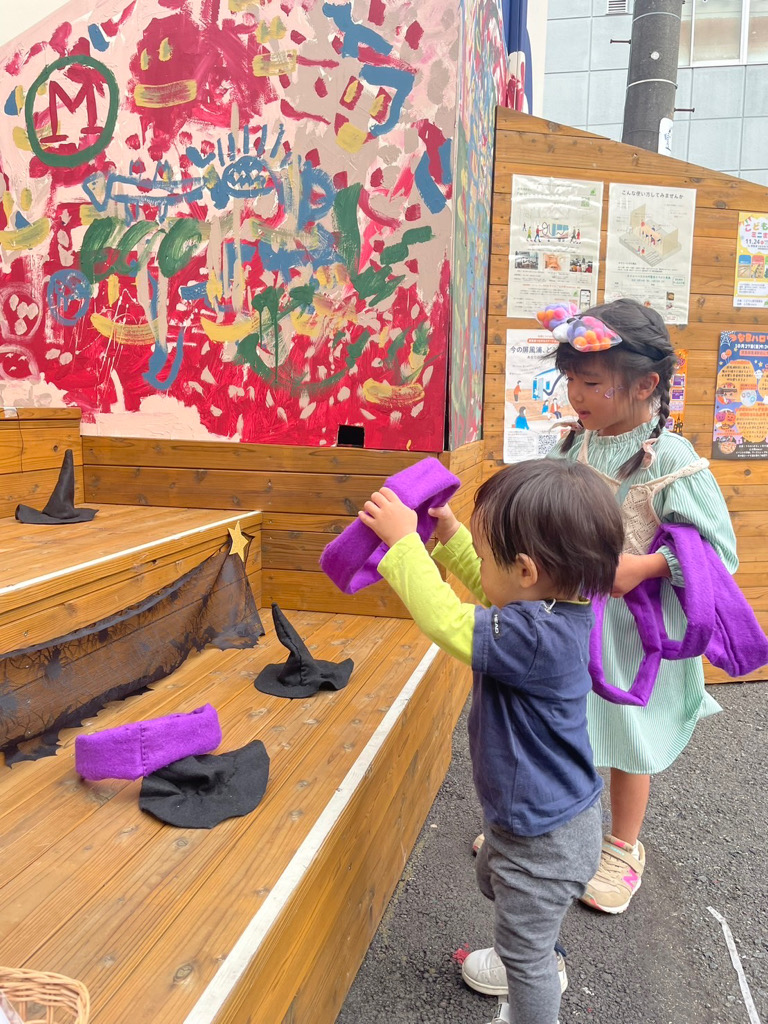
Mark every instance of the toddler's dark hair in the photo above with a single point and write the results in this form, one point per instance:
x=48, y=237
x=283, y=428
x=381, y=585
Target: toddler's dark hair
x=645, y=348
x=559, y=513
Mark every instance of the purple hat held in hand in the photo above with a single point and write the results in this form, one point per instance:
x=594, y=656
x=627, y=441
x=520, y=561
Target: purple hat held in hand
x=351, y=559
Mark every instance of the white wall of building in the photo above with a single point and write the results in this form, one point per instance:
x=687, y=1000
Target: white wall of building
x=586, y=80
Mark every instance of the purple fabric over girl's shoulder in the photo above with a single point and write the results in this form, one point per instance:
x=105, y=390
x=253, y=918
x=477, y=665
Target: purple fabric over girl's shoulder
x=720, y=622
x=352, y=558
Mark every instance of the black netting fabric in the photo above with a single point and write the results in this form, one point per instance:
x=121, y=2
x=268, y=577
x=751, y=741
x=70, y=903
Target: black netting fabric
x=52, y=686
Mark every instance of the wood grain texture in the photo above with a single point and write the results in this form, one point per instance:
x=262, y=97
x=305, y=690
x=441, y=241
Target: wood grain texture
x=145, y=914
x=526, y=145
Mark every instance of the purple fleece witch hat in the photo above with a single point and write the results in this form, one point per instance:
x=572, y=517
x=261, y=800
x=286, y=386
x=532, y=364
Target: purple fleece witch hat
x=140, y=748
x=351, y=559
x=61, y=504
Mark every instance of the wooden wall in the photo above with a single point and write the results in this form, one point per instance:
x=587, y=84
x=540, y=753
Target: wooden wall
x=527, y=145
x=32, y=446
x=307, y=496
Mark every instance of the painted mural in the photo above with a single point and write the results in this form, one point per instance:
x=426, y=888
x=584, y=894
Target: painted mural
x=232, y=219
x=484, y=83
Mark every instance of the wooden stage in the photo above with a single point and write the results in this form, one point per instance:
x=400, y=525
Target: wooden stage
x=263, y=919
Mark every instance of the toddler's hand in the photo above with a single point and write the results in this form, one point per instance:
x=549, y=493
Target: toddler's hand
x=388, y=517
x=447, y=524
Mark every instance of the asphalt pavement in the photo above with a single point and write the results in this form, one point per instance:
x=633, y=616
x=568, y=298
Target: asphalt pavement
x=664, y=961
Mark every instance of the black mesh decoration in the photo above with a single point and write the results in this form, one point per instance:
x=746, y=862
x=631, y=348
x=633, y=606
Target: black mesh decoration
x=56, y=685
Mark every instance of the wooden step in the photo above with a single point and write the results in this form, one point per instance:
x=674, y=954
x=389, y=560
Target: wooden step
x=263, y=918
x=55, y=579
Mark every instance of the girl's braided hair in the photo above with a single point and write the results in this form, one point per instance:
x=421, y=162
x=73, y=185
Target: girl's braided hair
x=645, y=348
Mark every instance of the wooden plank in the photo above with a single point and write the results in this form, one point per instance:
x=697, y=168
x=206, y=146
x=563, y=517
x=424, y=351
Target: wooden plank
x=311, y=523
x=221, y=455
x=42, y=413
x=52, y=564
x=44, y=443
x=10, y=447
x=284, y=492
x=313, y=591
x=33, y=489
x=77, y=605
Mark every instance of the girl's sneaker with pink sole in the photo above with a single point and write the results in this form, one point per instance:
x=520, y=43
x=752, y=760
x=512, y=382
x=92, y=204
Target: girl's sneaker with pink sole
x=618, y=878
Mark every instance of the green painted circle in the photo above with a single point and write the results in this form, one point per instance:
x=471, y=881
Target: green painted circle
x=82, y=156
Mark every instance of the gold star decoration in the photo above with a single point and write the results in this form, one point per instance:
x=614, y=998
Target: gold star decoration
x=239, y=541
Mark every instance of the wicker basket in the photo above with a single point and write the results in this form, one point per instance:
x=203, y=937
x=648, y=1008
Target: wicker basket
x=40, y=998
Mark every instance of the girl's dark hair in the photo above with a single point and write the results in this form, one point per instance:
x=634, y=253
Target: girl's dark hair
x=559, y=513
x=645, y=348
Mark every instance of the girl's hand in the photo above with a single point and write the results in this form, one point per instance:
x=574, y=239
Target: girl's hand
x=388, y=517
x=447, y=524
x=635, y=569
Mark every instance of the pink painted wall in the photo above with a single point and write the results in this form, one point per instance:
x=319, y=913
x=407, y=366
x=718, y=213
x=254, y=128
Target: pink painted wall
x=231, y=218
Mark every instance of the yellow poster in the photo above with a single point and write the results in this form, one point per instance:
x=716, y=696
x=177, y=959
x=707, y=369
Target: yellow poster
x=751, y=283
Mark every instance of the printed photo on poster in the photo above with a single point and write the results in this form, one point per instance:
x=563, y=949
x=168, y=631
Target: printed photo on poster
x=554, y=243
x=536, y=398
x=650, y=241
x=676, y=419
x=741, y=396
x=750, y=288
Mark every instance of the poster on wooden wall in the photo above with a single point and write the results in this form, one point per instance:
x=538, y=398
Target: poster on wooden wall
x=650, y=241
x=750, y=287
x=535, y=397
x=741, y=396
x=554, y=243
x=676, y=419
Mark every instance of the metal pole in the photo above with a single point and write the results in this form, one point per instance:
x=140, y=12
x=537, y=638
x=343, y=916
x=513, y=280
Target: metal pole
x=652, y=75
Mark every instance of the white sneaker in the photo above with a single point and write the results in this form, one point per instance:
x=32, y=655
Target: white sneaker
x=484, y=972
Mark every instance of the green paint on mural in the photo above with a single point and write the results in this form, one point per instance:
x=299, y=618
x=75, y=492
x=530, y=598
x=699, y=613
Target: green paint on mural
x=267, y=302
x=398, y=251
x=81, y=156
x=98, y=248
x=394, y=349
x=345, y=214
x=375, y=286
x=179, y=246
x=355, y=350
x=421, y=340
x=130, y=241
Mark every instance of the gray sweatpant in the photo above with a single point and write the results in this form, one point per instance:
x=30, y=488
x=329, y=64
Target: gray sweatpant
x=532, y=881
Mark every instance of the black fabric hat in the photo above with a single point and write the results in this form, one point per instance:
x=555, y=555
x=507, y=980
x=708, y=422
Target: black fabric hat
x=301, y=675
x=61, y=504
x=201, y=791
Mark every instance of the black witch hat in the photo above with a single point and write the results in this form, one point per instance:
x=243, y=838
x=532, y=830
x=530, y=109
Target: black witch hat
x=61, y=504
x=301, y=675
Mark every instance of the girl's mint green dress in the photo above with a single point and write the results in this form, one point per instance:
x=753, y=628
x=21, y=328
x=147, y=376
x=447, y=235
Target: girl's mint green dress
x=677, y=487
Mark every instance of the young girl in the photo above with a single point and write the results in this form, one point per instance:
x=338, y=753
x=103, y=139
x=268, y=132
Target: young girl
x=621, y=396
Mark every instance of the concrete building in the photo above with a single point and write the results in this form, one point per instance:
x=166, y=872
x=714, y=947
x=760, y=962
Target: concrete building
x=723, y=76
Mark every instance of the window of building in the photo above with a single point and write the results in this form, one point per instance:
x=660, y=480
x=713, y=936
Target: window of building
x=724, y=32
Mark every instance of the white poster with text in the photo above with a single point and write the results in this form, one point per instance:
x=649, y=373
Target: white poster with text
x=650, y=241
x=554, y=243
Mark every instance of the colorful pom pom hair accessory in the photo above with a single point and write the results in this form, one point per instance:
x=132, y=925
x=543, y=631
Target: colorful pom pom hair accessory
x=569, y=326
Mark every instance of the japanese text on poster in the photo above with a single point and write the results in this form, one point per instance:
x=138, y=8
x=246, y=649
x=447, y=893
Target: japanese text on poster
x=751, y=284
x=554, y=243
x=676, y=419
x=536, y=396
x=650, y=240
x=741, y=397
